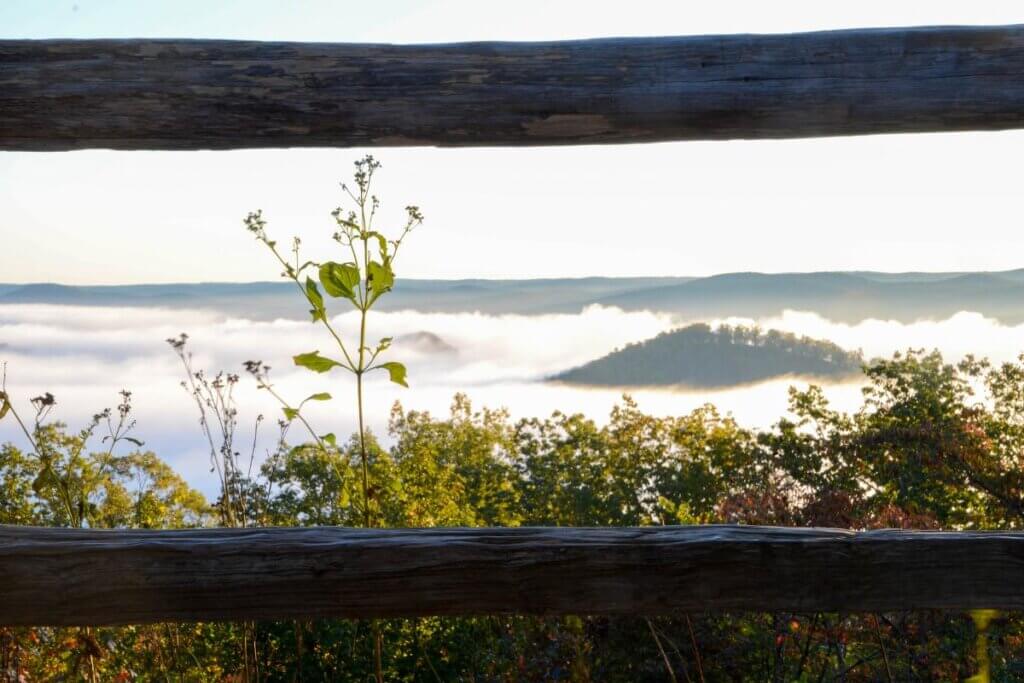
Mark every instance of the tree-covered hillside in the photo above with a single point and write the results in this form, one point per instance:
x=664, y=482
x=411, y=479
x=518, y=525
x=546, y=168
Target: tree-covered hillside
x=699, y=356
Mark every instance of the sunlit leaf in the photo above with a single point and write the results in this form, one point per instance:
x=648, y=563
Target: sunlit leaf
x=290, y=413
x=382, y=243
x=340, y=279
x=381, y=278
x=396, y=371
x=316, y=301
x=322, y=396
x=315, y=362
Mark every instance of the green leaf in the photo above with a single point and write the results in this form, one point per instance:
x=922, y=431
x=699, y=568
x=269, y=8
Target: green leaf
x=322, y=396
x=135, y=441
x=315, y=362
x=382, y=243
x=46, y=478
x=316, y=301
x=381, y=278
x=396, y=371
x=5, y=405
x=340, y=279
x=290, y=413
x=331, y=439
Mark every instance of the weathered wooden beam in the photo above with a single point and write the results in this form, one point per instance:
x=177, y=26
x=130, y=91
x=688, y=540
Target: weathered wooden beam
x=215, y=94
x=83, y=577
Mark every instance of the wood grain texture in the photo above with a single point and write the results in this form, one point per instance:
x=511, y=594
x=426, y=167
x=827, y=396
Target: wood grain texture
x=85, y=577
x=212, y=94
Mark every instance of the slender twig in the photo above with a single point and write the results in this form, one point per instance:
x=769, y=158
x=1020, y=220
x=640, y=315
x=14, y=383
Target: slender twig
x=423, y=652
x=807, y=646
x=881, y=646
x=664, y=655
x=696, y=650
x=10, y=406
x=679, y=654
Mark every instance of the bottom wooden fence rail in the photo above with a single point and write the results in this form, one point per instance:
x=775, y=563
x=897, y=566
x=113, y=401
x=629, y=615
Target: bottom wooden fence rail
x=99, y=577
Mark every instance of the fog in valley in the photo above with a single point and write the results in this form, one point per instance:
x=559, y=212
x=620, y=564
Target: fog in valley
x=85, y=354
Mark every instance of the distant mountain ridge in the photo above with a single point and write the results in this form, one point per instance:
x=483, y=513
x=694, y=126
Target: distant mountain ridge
x=841, y=296
x=845, y=297
x=701, y=357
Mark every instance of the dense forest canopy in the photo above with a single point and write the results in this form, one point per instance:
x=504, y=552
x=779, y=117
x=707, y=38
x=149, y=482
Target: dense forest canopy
x=699, y=356
x=924, y=451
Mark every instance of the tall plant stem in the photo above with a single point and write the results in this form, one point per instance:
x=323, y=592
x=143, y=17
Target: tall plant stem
x=367, y=518
x=361, y=281
x=378, y=638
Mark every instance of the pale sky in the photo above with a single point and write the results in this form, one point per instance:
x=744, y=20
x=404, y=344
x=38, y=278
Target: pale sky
x=893, y=203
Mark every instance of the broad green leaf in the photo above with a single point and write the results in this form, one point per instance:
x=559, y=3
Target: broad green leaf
x=340, y=279
x=381, y=278
x=290, y=413
x=322, y=396
x=316, y=301
x=396, y=371
x=315, y=362
x=331, y=439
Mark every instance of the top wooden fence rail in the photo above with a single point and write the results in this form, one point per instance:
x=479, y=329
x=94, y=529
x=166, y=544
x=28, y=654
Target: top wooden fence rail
x=83, y=577
x=214, y=94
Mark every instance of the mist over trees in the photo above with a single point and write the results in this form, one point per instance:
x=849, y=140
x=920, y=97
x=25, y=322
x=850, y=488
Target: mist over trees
x=698, y=356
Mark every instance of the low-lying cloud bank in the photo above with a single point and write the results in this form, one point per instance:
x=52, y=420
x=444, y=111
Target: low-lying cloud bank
x=84, y=355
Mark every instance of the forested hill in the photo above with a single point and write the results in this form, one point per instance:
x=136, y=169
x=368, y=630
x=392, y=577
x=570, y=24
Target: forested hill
x=701, y=357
